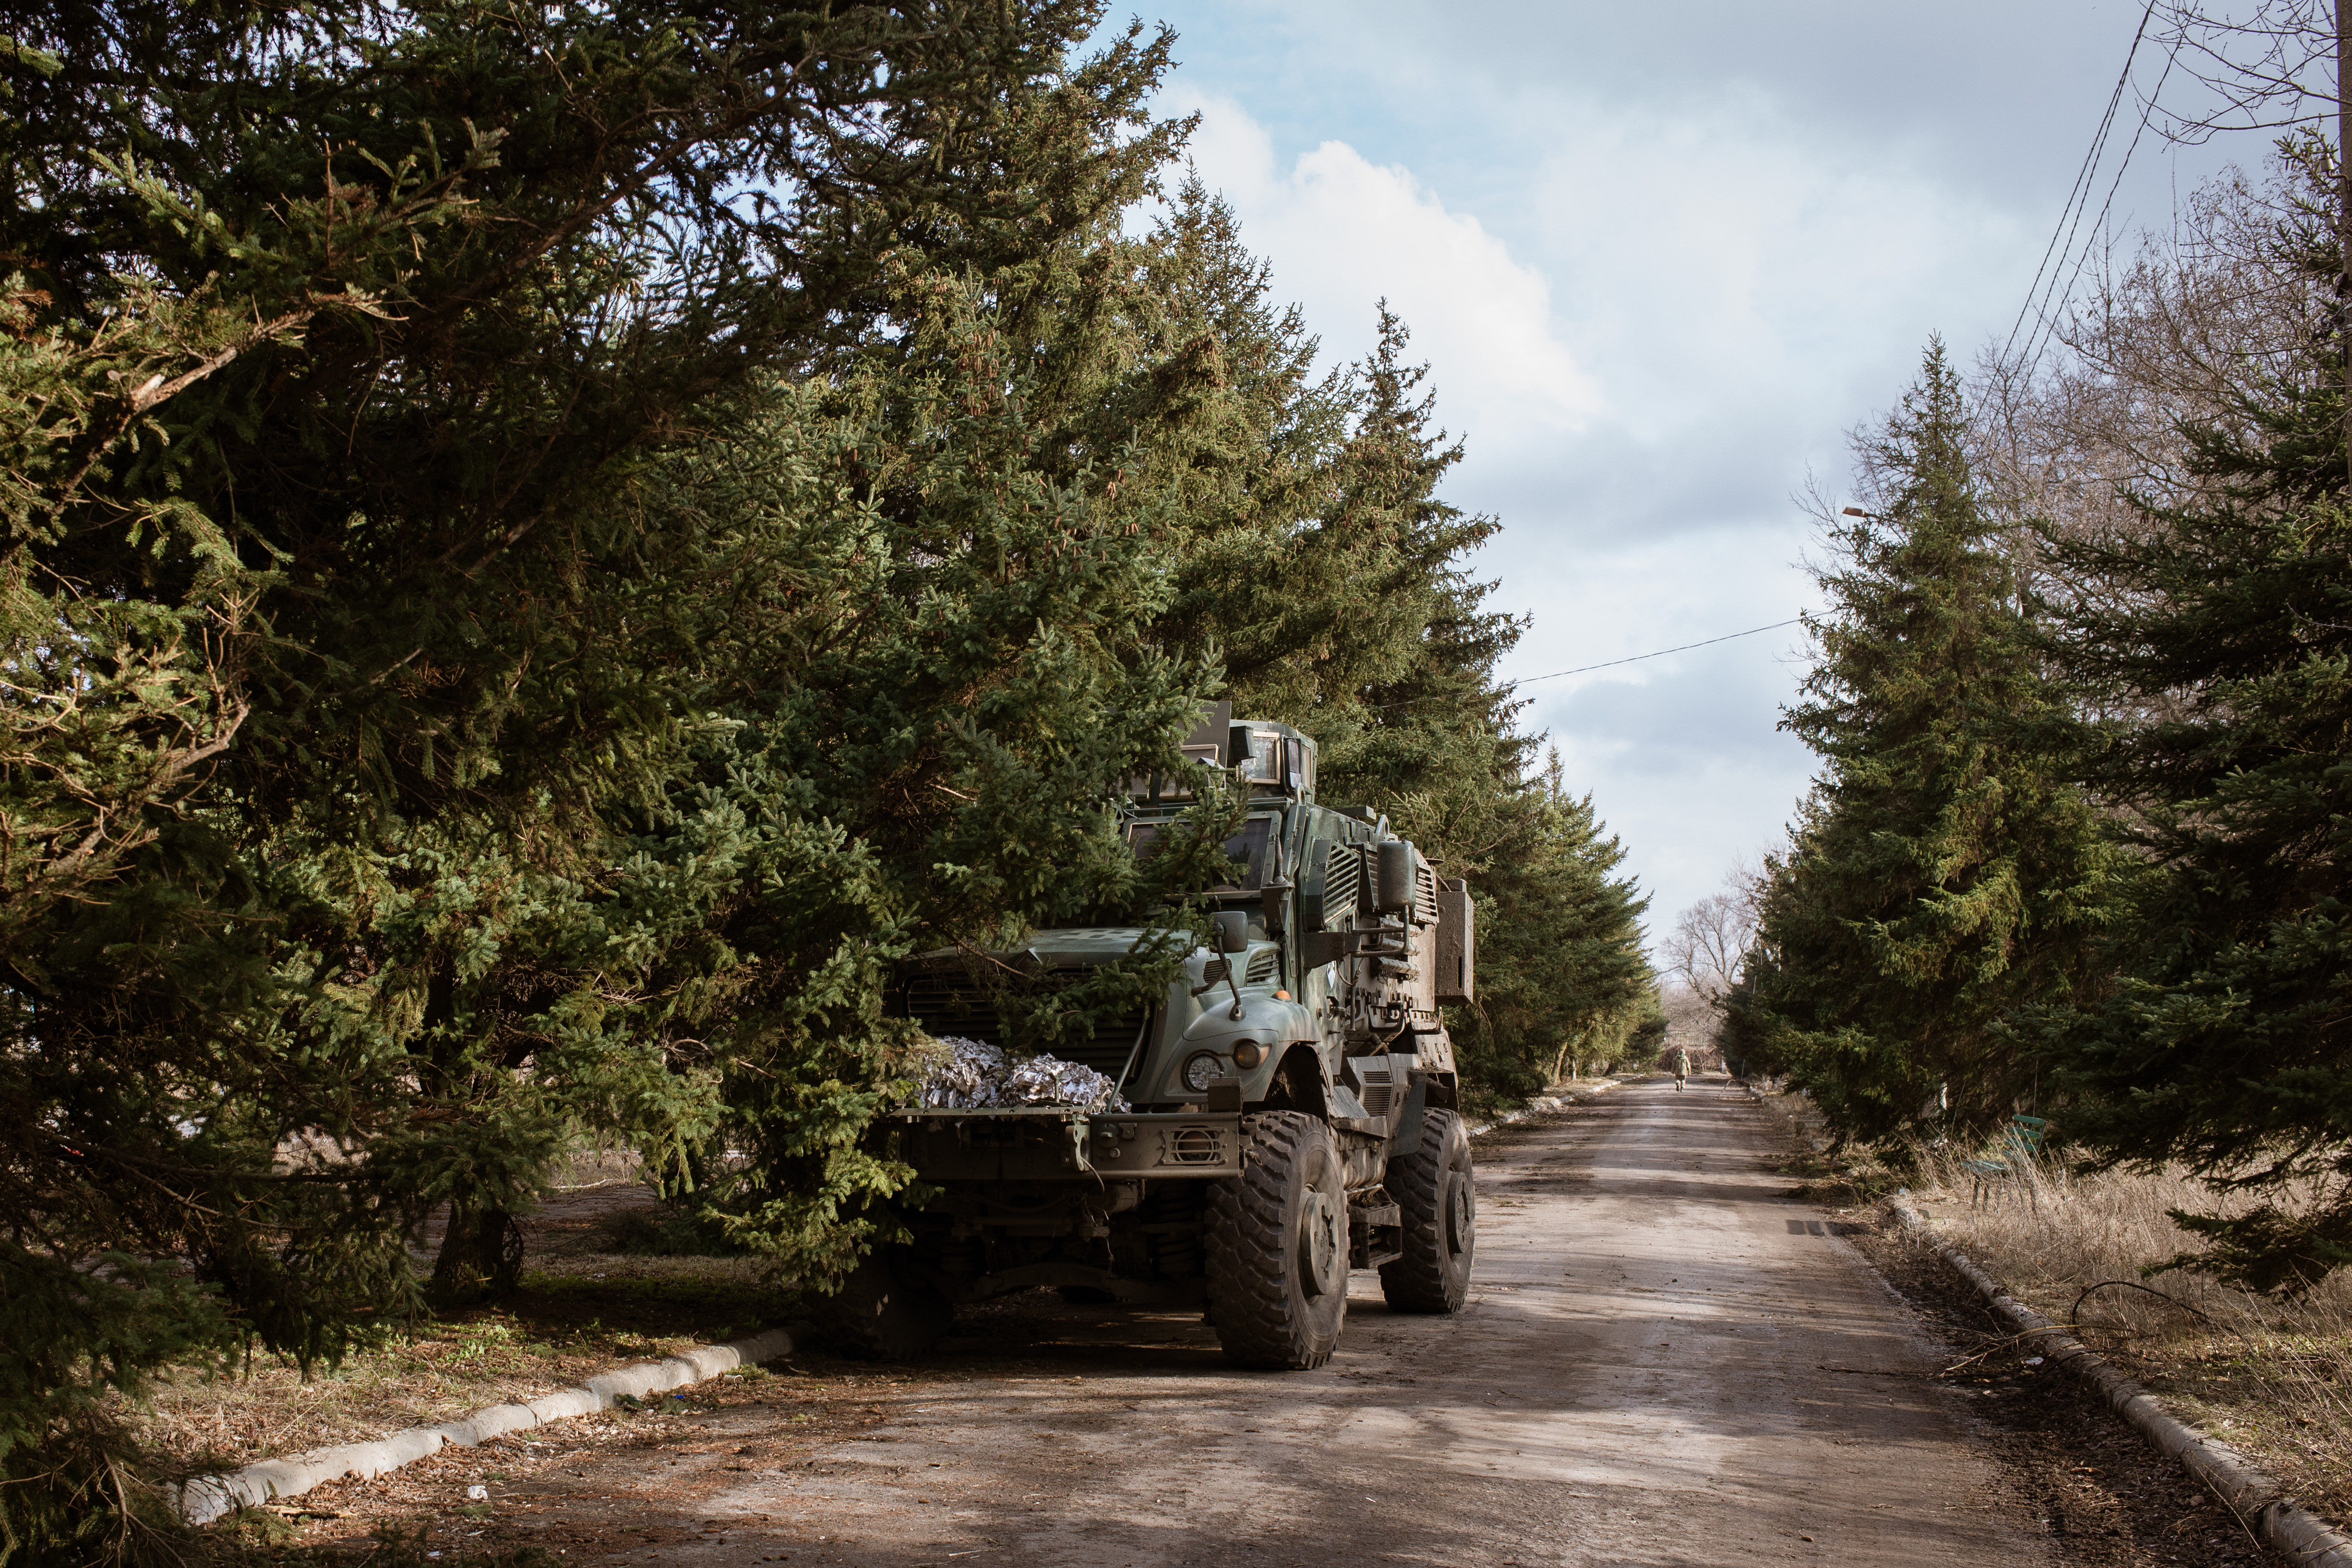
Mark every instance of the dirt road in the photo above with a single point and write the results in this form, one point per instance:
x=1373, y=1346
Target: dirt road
x=1666, y=1361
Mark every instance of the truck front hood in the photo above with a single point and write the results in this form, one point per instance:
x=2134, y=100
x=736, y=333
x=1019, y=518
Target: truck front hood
x=1083, y=944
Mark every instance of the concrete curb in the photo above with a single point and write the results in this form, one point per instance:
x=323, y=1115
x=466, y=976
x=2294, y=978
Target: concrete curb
x=2250, y=1493
x=207, y=1497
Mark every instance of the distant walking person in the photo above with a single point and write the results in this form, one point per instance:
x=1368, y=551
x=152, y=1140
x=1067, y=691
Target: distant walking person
x=1682, y=1068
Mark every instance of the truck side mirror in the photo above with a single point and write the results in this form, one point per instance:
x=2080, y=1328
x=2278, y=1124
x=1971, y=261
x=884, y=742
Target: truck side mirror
x=1232, y=931
x=1392, y=879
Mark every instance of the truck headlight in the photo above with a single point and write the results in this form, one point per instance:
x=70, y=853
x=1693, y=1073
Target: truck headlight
x=1199, y=1067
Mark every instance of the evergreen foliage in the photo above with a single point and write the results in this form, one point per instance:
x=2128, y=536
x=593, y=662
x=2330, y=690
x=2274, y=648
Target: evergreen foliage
x=1944, y=873
x=1561, y=975
x=2173, y=991
x=1416, y=722
x=369, y=823
x=2221, y=637
x=548, y=545
x=931, y=674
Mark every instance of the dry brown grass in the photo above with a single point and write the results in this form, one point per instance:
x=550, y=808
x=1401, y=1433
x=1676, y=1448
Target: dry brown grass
x=582, y=1309
x=2272, y=1378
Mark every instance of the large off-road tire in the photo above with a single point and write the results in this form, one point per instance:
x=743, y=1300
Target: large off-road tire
x=1278, y=1246
x=879, y=1313
x=1435, y=1190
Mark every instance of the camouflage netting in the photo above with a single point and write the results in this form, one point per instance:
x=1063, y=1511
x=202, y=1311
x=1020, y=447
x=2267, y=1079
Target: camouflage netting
x=976, y=1076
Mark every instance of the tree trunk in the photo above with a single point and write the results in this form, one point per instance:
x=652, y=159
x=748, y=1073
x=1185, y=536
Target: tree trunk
x=2344, y=217
x=481, y=1257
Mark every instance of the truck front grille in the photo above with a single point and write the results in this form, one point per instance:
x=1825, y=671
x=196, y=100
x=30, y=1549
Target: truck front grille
x=952, y=1004
x=947, y=1005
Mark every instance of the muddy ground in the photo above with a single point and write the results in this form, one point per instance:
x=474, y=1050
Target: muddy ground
x=1668, y=1359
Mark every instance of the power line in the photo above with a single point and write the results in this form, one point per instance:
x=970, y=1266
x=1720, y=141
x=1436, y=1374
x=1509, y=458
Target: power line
x=2078, y=198
x=2147, y=110
x=1610, y=664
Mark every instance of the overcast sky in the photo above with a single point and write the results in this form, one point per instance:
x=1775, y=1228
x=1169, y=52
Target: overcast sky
x=1660, y=260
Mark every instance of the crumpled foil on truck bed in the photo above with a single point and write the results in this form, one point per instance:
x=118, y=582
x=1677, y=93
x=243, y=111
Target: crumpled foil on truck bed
x=977, y=1076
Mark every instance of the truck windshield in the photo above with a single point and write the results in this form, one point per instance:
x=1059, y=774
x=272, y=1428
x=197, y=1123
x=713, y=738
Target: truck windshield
x=1246, y=852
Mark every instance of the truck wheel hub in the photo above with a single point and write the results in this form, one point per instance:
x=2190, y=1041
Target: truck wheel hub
x=1319, y=1243
x=1457, y=1212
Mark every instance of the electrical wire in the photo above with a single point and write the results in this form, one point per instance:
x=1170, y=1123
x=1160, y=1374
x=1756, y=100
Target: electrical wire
x=2043, y=324
x=2078, y=198
x=1637, y=658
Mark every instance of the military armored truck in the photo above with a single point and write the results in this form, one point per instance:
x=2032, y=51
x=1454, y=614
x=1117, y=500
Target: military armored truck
x=1292, y=1096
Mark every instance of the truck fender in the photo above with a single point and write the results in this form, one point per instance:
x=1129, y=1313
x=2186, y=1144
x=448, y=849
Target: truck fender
x=1297, y=1083
x=1408, y=1123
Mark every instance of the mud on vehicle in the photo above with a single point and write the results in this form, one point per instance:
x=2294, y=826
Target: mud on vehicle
x=1294, y=1098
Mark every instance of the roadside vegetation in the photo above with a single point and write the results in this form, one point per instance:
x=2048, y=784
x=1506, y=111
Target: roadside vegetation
x=2075, y=850
x=2269, y=1374
x=2099, y=1250
x=548, y=545
x=621, y=1287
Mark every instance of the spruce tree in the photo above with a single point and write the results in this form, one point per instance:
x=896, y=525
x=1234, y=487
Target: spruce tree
x=1944, y=874
x=1425, y=731
x=1561, y=973
x=2218, y=639
x=1311, y=558
x=370, y=829
x=548, y=547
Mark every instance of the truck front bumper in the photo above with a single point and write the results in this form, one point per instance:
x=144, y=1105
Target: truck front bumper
x=1048, y=1144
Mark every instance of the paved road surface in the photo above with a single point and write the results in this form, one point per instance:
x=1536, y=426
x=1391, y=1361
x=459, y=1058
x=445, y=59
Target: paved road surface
x=1666, y=1362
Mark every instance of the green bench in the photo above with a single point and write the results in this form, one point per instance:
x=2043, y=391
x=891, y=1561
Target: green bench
x=2020, y=1146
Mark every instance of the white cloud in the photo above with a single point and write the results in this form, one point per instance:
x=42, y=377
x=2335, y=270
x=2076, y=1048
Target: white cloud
x=1697, y=302
x=1661, y=318
x=1682, y=753
x=1723, y=261
x=1343, y=234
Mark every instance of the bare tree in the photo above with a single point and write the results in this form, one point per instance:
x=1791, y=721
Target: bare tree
x=1690, y=1015
x=2188, y=332
x=1701, y=957
x=1707, y=942
x=2278, y=67
x=2285, y=64
x=2170, y=331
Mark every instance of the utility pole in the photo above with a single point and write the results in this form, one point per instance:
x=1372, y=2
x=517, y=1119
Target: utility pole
x=2344, y=217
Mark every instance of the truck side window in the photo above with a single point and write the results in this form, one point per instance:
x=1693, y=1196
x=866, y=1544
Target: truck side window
x=1244, y=851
